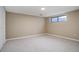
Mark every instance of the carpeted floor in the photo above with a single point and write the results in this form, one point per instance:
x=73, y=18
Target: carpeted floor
x=43, y=43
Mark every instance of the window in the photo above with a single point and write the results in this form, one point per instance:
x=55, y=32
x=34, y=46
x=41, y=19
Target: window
x=54, y=19
x=50, y=20
x=58, y=19
x=62, y=18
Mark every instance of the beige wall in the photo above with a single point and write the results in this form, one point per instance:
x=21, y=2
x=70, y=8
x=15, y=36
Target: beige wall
x=18, y=25
x=69, y=28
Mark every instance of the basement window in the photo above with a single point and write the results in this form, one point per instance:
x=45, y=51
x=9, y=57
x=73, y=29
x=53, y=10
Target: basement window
x=58, y=19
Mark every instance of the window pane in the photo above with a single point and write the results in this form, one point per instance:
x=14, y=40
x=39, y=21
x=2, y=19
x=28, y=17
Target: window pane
x=62, y=18
x=50, y=20
x=54, y=19
x=58, y=19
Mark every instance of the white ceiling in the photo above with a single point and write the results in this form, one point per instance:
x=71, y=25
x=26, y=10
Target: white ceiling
x=36, y=10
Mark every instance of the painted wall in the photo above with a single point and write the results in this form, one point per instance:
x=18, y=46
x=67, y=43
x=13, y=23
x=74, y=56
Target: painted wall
x=69, y=28
x=2, y=26
x=18, y=25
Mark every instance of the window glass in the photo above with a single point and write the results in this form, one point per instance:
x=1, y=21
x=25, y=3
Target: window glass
x=62, y=18
x=50, y=20
x=54, y=19
x=58, y=19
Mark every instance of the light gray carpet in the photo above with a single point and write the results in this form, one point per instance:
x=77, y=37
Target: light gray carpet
x=43, y=43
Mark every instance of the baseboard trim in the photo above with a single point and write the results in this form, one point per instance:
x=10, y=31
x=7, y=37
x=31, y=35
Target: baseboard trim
x=2, y=45
x=29, y=36
x=63, y=37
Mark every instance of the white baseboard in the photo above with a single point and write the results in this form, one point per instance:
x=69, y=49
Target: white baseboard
x=3, y=44
x=26, y=36
x=63, y=37
x=29, y=36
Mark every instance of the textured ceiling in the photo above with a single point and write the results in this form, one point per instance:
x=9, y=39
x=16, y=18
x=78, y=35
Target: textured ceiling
x=36, y=10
